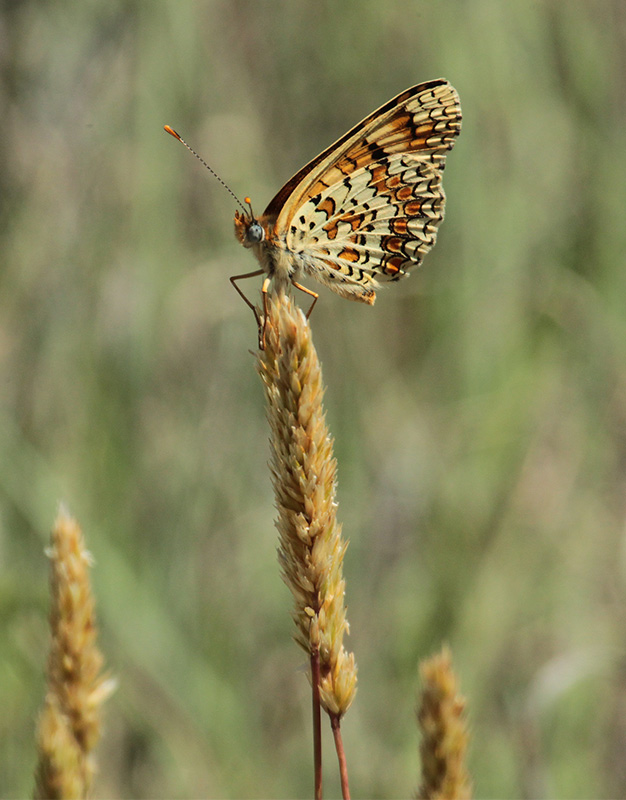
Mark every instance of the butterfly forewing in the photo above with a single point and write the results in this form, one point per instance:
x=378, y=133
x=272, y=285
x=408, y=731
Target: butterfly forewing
x=427, y=116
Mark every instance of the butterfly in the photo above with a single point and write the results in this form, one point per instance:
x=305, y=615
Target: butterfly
x=366, y=210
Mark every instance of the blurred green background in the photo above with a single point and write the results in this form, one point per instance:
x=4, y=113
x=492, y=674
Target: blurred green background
x=479, y=409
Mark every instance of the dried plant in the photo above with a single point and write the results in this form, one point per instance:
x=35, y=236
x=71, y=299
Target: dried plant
x=311, y=549
x=69, y=723
x=444, y=733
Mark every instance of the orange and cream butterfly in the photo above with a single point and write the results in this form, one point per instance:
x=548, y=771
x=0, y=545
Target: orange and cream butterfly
x=365, y=210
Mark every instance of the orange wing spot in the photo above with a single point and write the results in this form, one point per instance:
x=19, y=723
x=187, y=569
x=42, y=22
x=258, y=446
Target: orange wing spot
x=403, y=193
x=413, y=209
x=378, y=173
x=348, y=254
x=357, y=221
x=327, y=206
x=424, y=130
x=419, y=143
x=400, y=122
x=353, y=220
x=391, y=244
x=364, y=159
x=331, y=230
x=337, y=172
x=393, y=265
x=399, y=226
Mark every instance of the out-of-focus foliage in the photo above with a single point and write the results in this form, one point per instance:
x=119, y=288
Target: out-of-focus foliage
x=479, y=408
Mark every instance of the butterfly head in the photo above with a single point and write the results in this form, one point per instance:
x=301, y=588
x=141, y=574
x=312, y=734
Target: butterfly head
x=248, y=229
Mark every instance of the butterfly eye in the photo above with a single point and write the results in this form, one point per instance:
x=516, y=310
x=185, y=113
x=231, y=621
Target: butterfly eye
x=255, y=233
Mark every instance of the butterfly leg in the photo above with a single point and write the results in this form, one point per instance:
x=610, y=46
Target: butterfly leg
x=266, y=283
x=234, y=279
x=313, y=294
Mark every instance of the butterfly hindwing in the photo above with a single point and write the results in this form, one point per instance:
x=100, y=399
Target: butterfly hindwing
x=385, y=220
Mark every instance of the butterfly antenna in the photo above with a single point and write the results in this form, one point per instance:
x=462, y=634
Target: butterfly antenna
x=173, y=133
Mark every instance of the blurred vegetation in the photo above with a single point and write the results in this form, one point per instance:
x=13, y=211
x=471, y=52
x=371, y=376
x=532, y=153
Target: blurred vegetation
x=479, y=409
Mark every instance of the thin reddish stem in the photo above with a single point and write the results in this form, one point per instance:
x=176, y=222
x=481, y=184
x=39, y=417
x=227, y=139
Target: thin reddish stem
x=317, y=721
x=335, y=723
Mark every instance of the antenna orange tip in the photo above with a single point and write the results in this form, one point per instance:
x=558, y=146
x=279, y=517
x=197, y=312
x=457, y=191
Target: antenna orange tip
x=171, y=131
x=247, y=200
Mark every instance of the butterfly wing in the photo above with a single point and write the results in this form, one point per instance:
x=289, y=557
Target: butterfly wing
x=369, y=206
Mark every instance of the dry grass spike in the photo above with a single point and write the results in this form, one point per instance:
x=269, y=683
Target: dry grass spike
x=69, y=723
x=444, y=732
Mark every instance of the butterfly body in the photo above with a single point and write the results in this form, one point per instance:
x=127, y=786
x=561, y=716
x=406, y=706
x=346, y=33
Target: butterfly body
x=367, y=209
x=284, y=259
